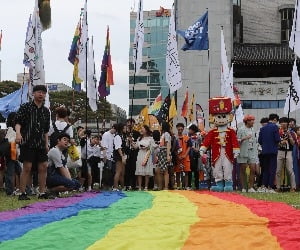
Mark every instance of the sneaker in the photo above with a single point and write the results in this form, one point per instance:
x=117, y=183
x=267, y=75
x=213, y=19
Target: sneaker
x=115, y=190
x=251, y=190
x=145, y=189
x=46, y=196
x=261, y=190
x=188, y=188
x=16, y=192
x=271, y=191
x=292, y=190
x=244, y=190
x=23, y=197
x=155, y=189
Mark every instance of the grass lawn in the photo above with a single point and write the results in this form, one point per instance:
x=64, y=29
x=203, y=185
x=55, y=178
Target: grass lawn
x=292, y=199
x=12, y=202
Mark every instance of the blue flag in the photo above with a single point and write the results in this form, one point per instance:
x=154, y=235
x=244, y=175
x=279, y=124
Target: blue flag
x=196, y=36
x=11, y=102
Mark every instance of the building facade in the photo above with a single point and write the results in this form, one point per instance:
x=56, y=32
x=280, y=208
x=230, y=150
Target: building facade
x=119, y=113
x=201, y=70
x=152, y=77
x=256, y=36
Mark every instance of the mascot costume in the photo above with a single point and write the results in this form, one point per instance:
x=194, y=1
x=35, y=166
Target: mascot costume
x=223, y=142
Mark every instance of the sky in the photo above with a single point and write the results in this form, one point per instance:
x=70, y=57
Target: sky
x=57, y=40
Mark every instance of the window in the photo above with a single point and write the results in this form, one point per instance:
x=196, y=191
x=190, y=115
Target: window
x=138, y=94
x=287, y=16
x=264, y=104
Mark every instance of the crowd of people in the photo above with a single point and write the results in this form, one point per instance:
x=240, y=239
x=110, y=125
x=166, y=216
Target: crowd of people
x=41, y=157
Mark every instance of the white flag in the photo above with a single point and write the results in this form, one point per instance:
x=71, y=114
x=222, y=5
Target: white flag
x=295, y=34
x=92, y=80
x=226, y=74
x=137, y=50
x=292, y=101
x=172, y=60
x=33, y=52
x=83, y=46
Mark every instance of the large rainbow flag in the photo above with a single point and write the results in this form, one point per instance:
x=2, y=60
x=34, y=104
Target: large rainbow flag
x=152, y=220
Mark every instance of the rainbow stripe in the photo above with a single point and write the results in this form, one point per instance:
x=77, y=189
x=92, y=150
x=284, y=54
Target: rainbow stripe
x=152, y=220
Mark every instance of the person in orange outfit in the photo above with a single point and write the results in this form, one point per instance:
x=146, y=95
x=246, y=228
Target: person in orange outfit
x=183, y=158
x=223, y=142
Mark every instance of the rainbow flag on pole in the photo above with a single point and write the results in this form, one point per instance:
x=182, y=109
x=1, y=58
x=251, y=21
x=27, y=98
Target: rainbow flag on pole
x=156, y=105
x=106, y=78
x=74, y=57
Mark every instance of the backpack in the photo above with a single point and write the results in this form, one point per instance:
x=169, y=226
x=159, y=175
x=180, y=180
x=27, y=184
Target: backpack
x=56, y=133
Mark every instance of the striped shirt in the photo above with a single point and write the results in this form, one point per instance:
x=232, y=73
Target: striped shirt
x=35, y=123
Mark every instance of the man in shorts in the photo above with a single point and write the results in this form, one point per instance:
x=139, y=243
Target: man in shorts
x=32, y=127
x=59, y=178
x=248, y=152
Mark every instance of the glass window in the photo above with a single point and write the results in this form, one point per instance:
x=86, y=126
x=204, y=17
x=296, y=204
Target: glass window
x=272, y=104
x=138, y=94
x=281, y=104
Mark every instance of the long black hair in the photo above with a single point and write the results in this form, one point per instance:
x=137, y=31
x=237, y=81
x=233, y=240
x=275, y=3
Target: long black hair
x=165, y=127
x=148, y=132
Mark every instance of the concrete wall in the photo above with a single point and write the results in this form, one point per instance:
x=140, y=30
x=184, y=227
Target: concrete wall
x=195, y=65
x=262, y=20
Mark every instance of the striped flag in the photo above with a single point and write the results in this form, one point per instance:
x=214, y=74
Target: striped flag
x=191, y=110
x=138, y=40
x=74, y=57
x=172, y=110
x=156, y=105
x=184, y=110
x=106, y=78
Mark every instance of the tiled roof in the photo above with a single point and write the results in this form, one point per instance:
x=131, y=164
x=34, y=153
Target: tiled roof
x=262, y=54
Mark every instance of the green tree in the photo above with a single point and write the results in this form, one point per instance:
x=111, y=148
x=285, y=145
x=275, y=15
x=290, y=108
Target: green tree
x=76, y=102
x=7, y=87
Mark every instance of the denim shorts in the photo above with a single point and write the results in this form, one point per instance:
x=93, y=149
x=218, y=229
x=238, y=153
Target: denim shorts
x=58, y=180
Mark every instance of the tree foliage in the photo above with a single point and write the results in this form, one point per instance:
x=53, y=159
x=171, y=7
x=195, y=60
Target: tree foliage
x=74, y=101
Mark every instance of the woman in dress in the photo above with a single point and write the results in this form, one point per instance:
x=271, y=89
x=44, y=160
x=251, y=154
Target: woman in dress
x=144, y=165
x=164, y=155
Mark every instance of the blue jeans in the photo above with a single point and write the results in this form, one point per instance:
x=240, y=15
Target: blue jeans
x=13, y=167
x=58, y=180
x=269, y=162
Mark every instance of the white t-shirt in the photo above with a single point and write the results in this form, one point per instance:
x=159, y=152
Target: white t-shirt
x=56, y=159
x=60, y=126
x=117, y=142
x=108, y=143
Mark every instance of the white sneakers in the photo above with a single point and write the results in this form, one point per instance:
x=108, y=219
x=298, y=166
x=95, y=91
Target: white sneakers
x=251, y=190
x=266, y=190
x=244, y=190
